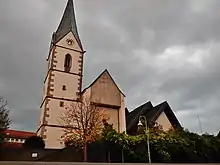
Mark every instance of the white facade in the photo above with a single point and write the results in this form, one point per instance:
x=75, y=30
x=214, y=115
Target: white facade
x=61, y=87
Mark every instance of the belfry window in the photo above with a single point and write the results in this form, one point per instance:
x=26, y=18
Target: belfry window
x=67, y=62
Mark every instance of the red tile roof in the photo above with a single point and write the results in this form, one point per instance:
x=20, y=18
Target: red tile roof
x=19, y=134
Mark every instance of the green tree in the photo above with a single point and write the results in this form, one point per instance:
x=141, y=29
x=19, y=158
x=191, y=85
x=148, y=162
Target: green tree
x=174, y=146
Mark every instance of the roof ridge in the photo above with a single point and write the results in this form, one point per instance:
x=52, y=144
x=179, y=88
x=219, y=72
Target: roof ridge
x=149, y=102
x=160, y=110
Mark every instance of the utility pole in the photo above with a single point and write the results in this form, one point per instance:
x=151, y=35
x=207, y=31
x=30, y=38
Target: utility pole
x=200, y=124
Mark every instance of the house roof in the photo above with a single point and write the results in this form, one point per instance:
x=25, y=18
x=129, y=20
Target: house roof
x=133, y=116
x=152, y=113
x=105, y=71
x=19, y=134
x=67, y=24
x=126, y=111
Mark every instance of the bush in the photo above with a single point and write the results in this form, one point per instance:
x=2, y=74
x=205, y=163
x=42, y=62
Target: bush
x=172, y=146
x=34, y=142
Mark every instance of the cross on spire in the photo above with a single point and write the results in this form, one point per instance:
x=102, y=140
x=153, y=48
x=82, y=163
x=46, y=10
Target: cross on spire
x=67, y=24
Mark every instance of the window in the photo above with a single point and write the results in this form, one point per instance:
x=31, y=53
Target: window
x=67, y=62
x=64, y=87
x=69, y=42
x=61, y=104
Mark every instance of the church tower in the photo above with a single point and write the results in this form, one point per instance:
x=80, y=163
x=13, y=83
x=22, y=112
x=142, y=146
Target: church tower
x=63, y=81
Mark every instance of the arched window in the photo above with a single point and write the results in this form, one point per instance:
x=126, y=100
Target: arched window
x=67, y=62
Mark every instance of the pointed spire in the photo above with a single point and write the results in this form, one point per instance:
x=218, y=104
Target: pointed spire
x=67, y=24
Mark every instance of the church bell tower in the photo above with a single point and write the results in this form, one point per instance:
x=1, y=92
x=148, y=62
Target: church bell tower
x=63, y=81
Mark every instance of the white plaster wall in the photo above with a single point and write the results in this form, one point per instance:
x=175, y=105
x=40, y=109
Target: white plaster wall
x=164, y=122
x=71, y=83
x=53, y=134
x=63, y=42
x=55, y=111
x=60, y=58
x=53, y=139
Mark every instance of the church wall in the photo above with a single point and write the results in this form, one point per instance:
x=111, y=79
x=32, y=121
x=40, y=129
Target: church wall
x=55, y=111
x=105, y=91
x=53, y=139
x=76, y=60
x=52, y=131
x=63, y=42
x=87, y=93
x=70, y=82
x=117, y=116
x=164, y=122
x=122, y=117
x=113, y=115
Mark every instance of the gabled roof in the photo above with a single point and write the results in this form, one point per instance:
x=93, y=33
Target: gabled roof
x=105, y=71
x=133, y=116
x=67, y=24
x=163, y=107
x=152, y=114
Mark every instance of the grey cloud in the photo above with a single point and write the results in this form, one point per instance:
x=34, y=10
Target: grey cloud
x=126, y=37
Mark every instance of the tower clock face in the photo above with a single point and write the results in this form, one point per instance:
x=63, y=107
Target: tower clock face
x=69, y=42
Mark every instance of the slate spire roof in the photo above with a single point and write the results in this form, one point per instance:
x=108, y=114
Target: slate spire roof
x=67, y=24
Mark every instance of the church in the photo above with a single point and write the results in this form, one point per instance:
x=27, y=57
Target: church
x=63, y=85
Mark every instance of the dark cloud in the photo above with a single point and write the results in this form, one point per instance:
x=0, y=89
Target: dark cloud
x=155, y=50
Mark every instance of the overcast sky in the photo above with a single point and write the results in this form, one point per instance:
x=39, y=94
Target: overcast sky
x=156, y=50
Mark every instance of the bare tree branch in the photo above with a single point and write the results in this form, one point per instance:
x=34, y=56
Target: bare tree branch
x=84, y=121
x=5, y=121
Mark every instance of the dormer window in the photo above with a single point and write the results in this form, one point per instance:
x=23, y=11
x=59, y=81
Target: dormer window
x=67, y=62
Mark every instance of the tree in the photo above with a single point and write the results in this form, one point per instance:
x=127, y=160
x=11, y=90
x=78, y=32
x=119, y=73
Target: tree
x=83, y=124
x=34, y=142
x=4, y=117
x=4, y=114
